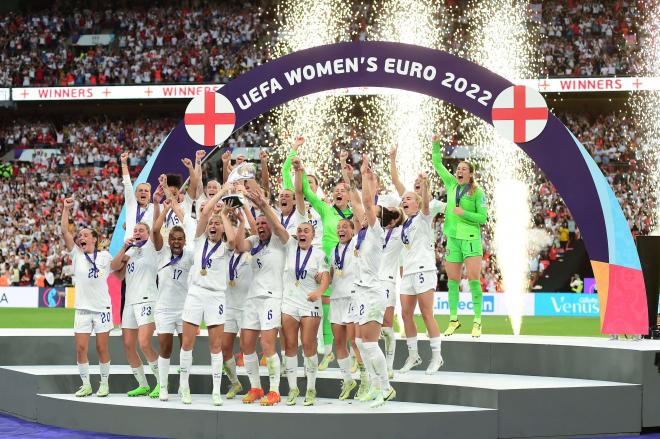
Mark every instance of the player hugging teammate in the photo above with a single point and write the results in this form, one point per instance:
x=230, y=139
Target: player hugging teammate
x=300, y=270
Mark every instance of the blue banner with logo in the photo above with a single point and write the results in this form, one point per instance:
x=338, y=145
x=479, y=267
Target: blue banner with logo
x=566, y=304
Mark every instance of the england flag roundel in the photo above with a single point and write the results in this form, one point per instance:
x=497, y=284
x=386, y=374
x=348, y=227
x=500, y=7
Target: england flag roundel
x=210, y=119
x=519, y=113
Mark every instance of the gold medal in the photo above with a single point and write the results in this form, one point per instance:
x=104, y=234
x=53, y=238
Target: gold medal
x=339, y=272
x=203, y=272
x=356, y=252
x=297, y=283
x=232, y=283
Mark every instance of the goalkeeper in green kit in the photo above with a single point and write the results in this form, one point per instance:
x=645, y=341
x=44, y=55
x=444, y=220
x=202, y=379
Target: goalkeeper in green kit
x=465, y=214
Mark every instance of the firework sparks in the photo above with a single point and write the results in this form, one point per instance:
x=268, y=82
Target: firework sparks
x=646, y=109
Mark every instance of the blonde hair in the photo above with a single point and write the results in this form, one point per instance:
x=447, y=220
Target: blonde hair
x=473, y=184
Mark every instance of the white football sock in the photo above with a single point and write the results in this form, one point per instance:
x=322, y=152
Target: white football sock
x=251, y=362
x=138, y=373
x=345, y=368
x=105, y=372
x=412, y=346
x=163, y=372
x=378, y=363
x=153, y=365
x=273, y=363
x=291, y=368
x=185, y=360
x=230, y=369
x=311, y=368
x=83, y=369
x=390, y=346
x=436, y=343
x=216, y=371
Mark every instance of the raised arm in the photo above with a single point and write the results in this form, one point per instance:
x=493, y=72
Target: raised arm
x=394, y=173
x=195, y=173
x=129, y=195
x=426, y=199
x=64, y=224
x=226, y=165
x=316, y=203
x=205, y=214
x=436, y=156
x=265, y=173
x=159, y=219
x=273, y=221
x=286, y=169
x=300, y=198
x=356, y=202
x=368, y=190
x=230, y=232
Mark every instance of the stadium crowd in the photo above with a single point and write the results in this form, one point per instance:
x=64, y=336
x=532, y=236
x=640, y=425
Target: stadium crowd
x=87, y=165
x=157, y=45
x=218, y=41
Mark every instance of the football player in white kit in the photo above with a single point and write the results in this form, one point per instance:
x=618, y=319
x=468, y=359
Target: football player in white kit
x=240, y=278
x=313, y=217
x=372, y=299
x=206, y=294
x=93, y=308
x=262, y=310
x=343, y=304
x=139, y=258
x=419, y=276
x=138, y=206
x=173, y=268
x=306, y=277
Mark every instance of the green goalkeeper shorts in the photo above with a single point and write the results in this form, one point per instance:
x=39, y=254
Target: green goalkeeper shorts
x=460, y=249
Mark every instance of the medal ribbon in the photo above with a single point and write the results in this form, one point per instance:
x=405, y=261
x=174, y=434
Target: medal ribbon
x=406, y=226
x=206, y=257
x=258, y=248
x=299, y=269
x=92, y=261
x=360, y=237
x=341, y=213
x=388, y=236
x=339, y=262
x=233, y=264
x=460, y=193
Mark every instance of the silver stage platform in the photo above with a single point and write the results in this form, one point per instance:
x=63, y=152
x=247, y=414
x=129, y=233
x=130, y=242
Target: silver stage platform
x=494, y=387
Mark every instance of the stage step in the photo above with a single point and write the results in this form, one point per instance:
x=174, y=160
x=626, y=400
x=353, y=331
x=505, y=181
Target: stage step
x=527, y=406
x=327, y=419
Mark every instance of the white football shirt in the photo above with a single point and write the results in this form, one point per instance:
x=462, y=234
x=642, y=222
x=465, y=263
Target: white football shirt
x=173, y=279
x=91, y=285
x=307, y=282
x=141, y=274
x=268, y=267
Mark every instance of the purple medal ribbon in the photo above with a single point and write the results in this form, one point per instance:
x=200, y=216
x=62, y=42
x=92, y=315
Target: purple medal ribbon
x=206, y=257
x=233, y=264
x=138, y=244
x=169, y=217
x=406, y=225
x=300, y=270
x=140, y=214
x=92, y=261
x=288, y=218
x=173, y=260
x=258, y=248
x=339, y=262
x=360, y=237
x=376, y=199
x=460, y=193
x=388, y=236
x=341, y=213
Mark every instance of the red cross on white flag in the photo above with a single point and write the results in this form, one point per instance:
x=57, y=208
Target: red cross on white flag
x=519, y=113
x=210, y=119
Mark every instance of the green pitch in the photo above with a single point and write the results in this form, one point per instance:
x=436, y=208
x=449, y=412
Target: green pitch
x=569, y=326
